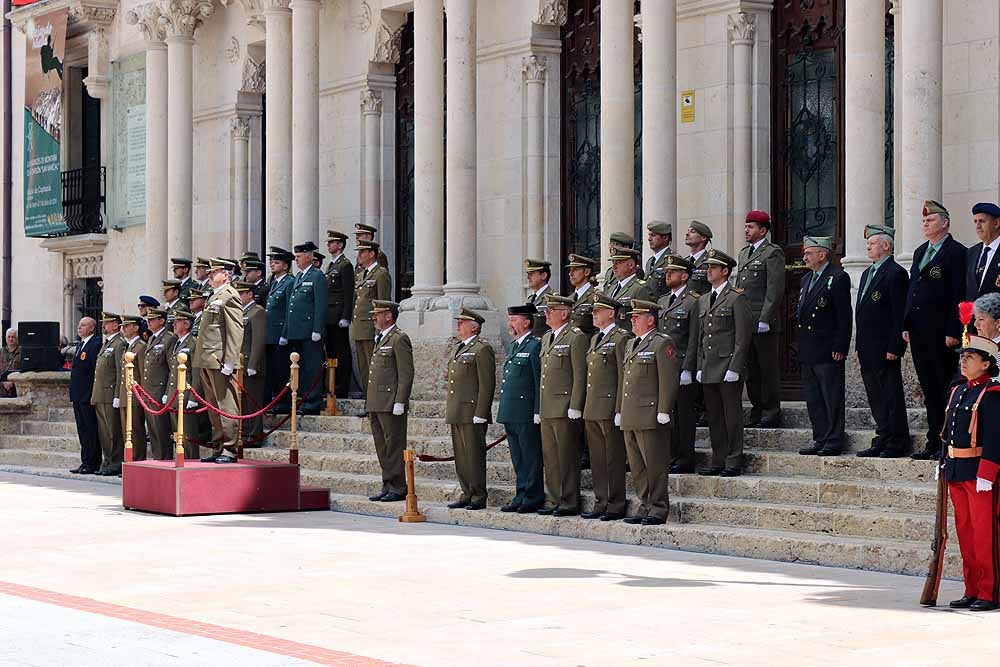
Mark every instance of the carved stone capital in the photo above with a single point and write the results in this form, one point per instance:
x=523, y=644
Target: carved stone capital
x=93, y=13
x=240, y=127
x=389, y=38
x=895, y=6
x=552, y=12
x=742, y=28
x=371, y=102
x=272, y=5
x=253, y=76
x=147, y=18
x=180, y=18
x=533, y=68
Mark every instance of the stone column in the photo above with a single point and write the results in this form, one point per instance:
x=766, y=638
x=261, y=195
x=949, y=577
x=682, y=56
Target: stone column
x=180, y=20
x=659, y=112
x=241, y=186
x=278, y=125
x=742, y=29
x=617, y=122
x=533, y=68
x=897, y=118
x=371, y=201
x=305, y=121
x=864, y=129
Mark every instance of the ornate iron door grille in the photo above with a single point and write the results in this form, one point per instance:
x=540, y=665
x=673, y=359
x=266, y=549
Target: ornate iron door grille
x=91, y=298
x=404, y=164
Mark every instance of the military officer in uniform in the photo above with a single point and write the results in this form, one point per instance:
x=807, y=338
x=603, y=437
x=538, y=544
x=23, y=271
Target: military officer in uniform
x=278, y=364
x=366, y=233
x=762, y=278
x=181, y=267
x=647, y=394
x=520, y=412
x=880, y=345
x=339, y=309
x=605, y=440
x=135, y=345
x=679, y=320
x=472, y=369
x=201, y=267
x=581, y=272
x=617, y=240
x=155, y=376
x=318, y=259
x=538, y=272
x=253, y=352
x=659, y=235
x=253, y=274
x=305, y=324
x=725, y=327
x=388, y=396
x=145, y=303
x=217, y=356
x=108, y=376
x=697, y=239
x=183, y=321
x=372, y=283
x=196, y=304
x=825, y=321
x=563, y=394
x=171, y=296
x=628, y=286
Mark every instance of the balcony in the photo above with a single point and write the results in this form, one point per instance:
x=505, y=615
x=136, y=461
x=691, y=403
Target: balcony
x=83, y=197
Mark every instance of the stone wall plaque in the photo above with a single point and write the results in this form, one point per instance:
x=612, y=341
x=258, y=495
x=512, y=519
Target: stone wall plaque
x=135, y=161
x=687, y=106
x=126, y=180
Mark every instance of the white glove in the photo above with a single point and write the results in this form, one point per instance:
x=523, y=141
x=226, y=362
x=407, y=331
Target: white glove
x=163, y=399
x=116, y=403
x=315, y=337
x=191, y=405
x=618, y=419
x=937, y=472
x=478, y=420
x=398, y=409
x=227, y=369
x=763, y=327
x=983, y=485
x=343, y=324
x=685, y=377
x=251, y=372
x=573, y=414
x=662, y=418
x=282, y=341
x=538, y=419
x=731, y=376
x=697, y=376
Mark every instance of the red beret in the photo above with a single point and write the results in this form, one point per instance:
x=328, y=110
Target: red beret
x=760, y=217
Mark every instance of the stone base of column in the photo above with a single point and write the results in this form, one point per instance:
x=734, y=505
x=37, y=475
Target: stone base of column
x=429, y=322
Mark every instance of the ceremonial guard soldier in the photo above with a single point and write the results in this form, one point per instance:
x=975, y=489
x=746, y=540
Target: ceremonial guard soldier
x=108, y=376
x=472, y=369
x=563, y=394
x=538, y=272
x=725, y=327
x=181, y=267
x=366, y=233
x=880, y=345
x=825, y=321
x=305, y=323
x=278, y=364
x=679, y=319
x=581, y=271
x=629, y=286
x=388, y=397
x=697, y=238
x=970, y=463
x=617, y=240
x=253, y=274
x=217, y=356
x=982, y=272
x=605, y=439
x=646, y=397
x=339, y=309
x=253, y=352
x=762, y=278
x=154, y=379
x=372, y=283
x=135, y=345
x=193, y=423
x=659, y=237
x=520, y=412
x=930, y=324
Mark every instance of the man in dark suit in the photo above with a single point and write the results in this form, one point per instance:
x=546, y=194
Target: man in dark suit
x=825, y=322
x=880, y=345
x=81, y=384
x=930, y=324
x=339, y=309
x=982, y=266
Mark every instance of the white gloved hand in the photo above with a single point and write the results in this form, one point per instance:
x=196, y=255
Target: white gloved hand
x=573, y=414
x=662, y=418
x=251, y=372
x=697, y=376
x=163, y=399
x=227, y=369
x=191, y=405
x=343, y=324
x=763, y=327
x=983, y=485
x=731, y=376
x=685, y=378
x=398, y=409
x=116, y=403
x=478, y=420
x=315, y=337
x=618, y=419
x=282, y=341
x=537, y=419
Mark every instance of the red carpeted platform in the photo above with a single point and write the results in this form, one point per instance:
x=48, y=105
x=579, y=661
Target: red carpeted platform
x=210, y=488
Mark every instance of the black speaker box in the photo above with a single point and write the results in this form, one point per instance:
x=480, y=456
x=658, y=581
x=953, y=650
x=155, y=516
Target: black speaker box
x=37, y=358
x=38, y=334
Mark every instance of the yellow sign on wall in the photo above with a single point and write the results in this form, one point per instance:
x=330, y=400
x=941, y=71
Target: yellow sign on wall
x=687, y=106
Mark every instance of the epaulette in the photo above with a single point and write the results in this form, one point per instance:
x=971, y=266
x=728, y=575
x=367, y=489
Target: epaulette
x=695, y=295
x=578, y=330
x=738, y=290
x=640, y=281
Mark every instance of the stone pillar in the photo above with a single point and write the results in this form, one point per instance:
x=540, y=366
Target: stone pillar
x=157, y=257
x=920, y=141
x=864, y=129
x=659, y=112
x=617, y=122
x=278, y=125
x=742, y=29
x=371, y=200
x=533, y=68
x=305, y=121
x=897, y=119
x=241, y=186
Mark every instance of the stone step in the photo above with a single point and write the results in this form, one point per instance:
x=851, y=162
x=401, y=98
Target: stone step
x=61, y=414
x=899, y=556
x=40, y=458
x=61, y=443
x=61, y=473
x=60, y=428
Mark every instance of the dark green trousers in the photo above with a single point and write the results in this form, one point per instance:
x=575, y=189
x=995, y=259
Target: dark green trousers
x=561, y=456
x=469, y=443
x=525, y=444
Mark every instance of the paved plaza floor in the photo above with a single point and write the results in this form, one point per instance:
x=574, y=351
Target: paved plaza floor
x=84, y=582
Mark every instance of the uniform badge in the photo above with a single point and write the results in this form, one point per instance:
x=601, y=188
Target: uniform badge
x=83, y=356
x=669, y=351
x=936, y=272
x=876, y=295
x=821, y=302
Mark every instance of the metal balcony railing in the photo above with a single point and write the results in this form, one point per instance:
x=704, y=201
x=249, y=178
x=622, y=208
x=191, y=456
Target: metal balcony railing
x=83, y=197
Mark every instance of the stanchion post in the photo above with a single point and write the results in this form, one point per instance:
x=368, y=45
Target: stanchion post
x=129, y=370
x=181, y=402
x=293, y=444
x=331, y=389
x=239, y=410
x=412, y=513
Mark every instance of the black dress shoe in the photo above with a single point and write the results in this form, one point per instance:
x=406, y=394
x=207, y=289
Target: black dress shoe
x=209, y=459
x=226, y=458
x=612, y=517
x=634, y=519
x=731, y=472
x=458, y=504
x=546, y=511
x=528, y=509
x=828, y=451
x=378, y=496
x=982, y=605
x=711, y=472
x=871, y=452
x=893, y=453
x=653, y=521
x=811, y=450
x=565, y=512
x=392, y=497
x=510, y=508
x=926, y=455
x=770, y=422
x=753, y=421
x=963, y=602
x=592, y=515
x=475, y=506
x=89, y=471
x=83, y=470
x=681, y=470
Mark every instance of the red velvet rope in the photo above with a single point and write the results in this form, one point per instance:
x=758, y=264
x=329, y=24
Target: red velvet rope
x=252, y=441
x=141, y=393
x=219, y=412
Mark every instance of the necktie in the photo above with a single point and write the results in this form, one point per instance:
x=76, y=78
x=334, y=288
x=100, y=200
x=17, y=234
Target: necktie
x=928, y=256
x=871, y=279
x=531, y=299
x=615, y=292
x=690, y=258
x=815, y=279
x=600, y=337
x=378, y=338
x=711, y=299
x=673, y=297
x=576, y=295
x=981, y=269
x=459, y=349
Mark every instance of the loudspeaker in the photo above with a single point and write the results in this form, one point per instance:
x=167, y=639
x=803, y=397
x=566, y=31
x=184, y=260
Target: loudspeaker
x=38, y=334
x=36, y=358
